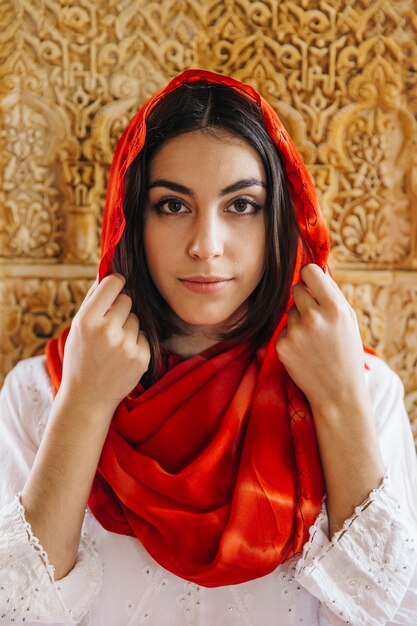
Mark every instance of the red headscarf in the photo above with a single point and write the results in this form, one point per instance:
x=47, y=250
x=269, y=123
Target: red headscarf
x=215, y=467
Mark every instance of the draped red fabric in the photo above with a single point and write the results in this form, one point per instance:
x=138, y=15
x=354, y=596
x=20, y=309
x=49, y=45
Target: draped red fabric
x=215, y=467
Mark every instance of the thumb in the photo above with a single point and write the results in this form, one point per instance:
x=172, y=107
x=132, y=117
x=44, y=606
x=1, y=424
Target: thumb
x=90, y=292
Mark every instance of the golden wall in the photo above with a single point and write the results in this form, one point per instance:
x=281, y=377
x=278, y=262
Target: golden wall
x=341, y=74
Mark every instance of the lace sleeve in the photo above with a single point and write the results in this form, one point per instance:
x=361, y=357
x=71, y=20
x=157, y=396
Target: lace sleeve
x=28, y=590
x=362, y=574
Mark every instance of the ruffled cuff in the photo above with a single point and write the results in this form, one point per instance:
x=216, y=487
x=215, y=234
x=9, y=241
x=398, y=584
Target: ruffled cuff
x=363, y=572
x=28, y=590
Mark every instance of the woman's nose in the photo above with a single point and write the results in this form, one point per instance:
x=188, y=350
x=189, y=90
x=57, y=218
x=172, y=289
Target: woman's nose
x=206, y=238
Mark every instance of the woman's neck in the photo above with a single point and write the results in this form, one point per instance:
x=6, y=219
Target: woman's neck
x=189, y=345
x=195, y=339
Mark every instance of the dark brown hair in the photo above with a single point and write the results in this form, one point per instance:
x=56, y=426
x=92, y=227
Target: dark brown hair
x=209, y=107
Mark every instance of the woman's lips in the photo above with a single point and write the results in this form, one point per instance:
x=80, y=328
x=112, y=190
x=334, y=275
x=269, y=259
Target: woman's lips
x=205, y=285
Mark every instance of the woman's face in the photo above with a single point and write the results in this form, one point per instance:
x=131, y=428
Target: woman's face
x=205, y=225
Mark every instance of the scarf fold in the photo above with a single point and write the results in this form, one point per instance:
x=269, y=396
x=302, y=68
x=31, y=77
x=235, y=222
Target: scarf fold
x=215, y=467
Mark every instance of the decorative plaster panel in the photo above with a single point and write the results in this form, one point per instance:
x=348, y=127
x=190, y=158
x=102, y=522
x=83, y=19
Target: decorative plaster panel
x=342, y=76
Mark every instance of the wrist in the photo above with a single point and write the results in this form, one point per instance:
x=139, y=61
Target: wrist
x=343, y=409
x=88, y=410
x=347, y=435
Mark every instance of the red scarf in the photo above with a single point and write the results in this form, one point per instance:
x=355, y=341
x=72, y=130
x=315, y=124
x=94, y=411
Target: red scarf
x=215, y=467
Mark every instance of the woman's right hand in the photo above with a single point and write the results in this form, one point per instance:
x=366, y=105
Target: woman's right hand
x=105, y=356
x=106, y=353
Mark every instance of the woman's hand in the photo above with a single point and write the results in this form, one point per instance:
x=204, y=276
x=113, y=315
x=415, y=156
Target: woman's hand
x=322, y=351
x=105, y=356
x=106, y=353
x=321, y=347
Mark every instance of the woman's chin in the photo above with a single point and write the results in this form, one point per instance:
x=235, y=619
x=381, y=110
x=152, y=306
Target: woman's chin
x=215, y=321
x=206, y=323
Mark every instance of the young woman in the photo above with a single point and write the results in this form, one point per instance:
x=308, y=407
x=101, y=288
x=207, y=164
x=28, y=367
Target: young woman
x=208, y=443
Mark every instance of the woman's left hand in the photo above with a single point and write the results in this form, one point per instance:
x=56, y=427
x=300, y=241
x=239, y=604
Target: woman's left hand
x=321, y=347
x=322, y=351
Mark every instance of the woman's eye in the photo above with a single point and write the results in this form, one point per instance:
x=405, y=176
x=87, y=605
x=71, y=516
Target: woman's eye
x=169, y=206
x=246, y=206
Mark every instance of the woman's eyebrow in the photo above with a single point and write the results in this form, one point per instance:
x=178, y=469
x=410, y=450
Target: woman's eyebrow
x=162, y=182
x=240, y=184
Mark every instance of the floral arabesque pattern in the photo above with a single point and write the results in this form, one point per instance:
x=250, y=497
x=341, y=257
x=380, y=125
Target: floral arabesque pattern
x=341, y=75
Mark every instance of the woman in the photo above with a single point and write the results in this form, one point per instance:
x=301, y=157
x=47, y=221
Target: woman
x=243, y=461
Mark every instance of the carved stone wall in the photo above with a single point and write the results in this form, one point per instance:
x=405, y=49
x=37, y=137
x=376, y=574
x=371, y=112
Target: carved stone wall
x=342, y=76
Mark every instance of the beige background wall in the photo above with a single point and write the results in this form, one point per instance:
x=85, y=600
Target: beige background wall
x=341, y=74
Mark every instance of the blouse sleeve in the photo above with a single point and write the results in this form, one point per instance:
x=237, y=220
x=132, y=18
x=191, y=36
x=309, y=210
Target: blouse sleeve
x=367, y=572
x=28, y=590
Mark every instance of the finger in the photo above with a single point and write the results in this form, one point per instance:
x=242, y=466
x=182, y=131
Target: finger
x=90, y=291
x=341, y=298
x=303, y=298
x=283, y=333
x=280, y=340
x=294, y=317
x=106, y=293
x=332, y=280
x=94, y=285
x=120, y=309
x=131, y=326
x=318, y=284
x=144, y=347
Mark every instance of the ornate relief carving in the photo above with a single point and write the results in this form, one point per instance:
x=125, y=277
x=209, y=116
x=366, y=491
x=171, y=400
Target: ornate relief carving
x=387, y=315
x=370, y=303
x=30, y=222
x=342, y=76
x=342, y=67
x=370, y=143
x=32, y=311
x=401, y=349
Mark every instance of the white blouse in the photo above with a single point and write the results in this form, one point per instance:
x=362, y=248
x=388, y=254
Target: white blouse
x=365, y=576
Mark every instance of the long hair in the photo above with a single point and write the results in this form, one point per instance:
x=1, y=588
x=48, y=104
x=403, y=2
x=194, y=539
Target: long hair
x=208, y=107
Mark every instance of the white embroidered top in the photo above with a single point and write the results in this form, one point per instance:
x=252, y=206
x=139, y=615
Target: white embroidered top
x=365, y=576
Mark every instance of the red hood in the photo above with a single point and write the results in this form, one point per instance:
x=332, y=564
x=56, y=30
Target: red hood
x=301, y=188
